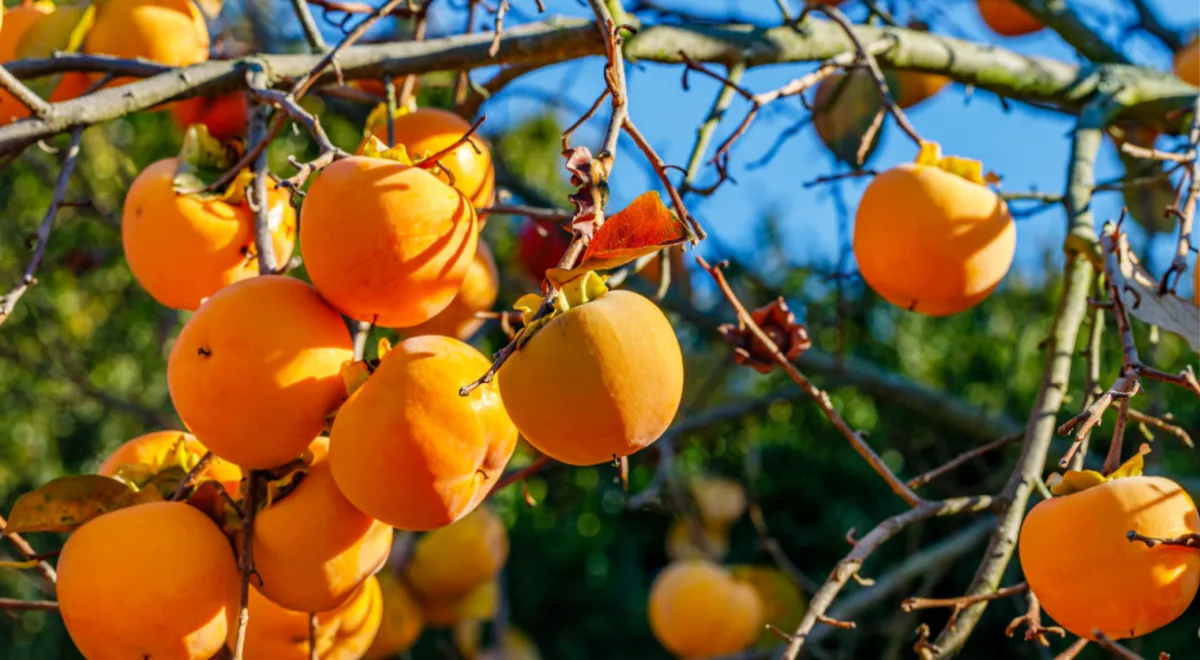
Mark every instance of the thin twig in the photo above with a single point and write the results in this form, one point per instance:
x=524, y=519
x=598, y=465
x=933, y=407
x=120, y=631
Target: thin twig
x=1185, y=541
x=311, y=32
x=1073, y=650
x=188, y=479
x=246, y=561
x=1187, y=209
x=1163, y=425
x=1032, y=620
x=9, y=302
x=520, y=475
x=965, y=457
x=313, y=625
x=11, y=604
x=1115, y=649
x=43, y=568
x=408, y=86
x=535, y=213
x=957, y=605
x=18, y=90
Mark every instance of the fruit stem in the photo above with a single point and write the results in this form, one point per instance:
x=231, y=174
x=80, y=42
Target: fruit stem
x=246, y=561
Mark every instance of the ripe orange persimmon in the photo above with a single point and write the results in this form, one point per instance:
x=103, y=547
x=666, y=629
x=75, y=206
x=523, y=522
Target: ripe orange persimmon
x=149, y=581
x=451, y=561
x=540, y=248
x=172, y=32
x=386, y=242
x=147, y=455
x=428, y=131
x=183, y=249
x=343, y=633
x=931, y=237
x=1007, y=18
x=1187, y=63
x=312, y=548
x=697, y=610
x=598, y=381
x=266, y=348
x=17, y=21
x=478, y=294
x=225, y=116
x=408, y=450
x=1088, y=576
x=911, y=87
x=844, y=109
x=402, y=619
x=479, y=604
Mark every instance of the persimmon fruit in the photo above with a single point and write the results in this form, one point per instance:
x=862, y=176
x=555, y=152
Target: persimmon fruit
x=386, y=242
x=1007, y=18
x=931, y=239
x=430, y=130
x=402, y=619
x=343, y=633
x=265, y=348
x=312, y=548
x=225, y=116
x=597, y=382
x=183, y=249
x=149, y=454
x=540, y=248
x=477, y=294
x=148, y=581
x=406, y=449
x=698, y=610
x=451, y=561
x=17, y=21
x=1088, y=576
x=1187, y=63
x=171, y=32
x=720, y=500
x=682, y=544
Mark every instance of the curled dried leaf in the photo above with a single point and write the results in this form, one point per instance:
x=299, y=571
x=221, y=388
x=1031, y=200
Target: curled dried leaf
x=64, y=504
x=591, y=182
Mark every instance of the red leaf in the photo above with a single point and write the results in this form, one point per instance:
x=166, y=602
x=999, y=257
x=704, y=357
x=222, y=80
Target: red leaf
x=644, y=227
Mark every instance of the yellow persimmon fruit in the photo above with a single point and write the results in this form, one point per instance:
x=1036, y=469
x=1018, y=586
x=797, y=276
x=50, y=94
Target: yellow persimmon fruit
x=183, y=249
x=477, y=294
x=682, y=544
x=455, y=559
x=312, y=548
x=783, y=604
x=407, y=449
x=518, y=645
x=931, y=237
x=171, y=32
x=1187, y=63
x=17, y=21
x=148, y=581
x=720, y=500
x=386, y=242
x=1007, y=18
x=430, y=130
x=1088, y=576
x=264, y=348
x=598, y=381
x=343, y=633
x=911, y=87
x=402, y=619
x=147, y=455
x=479, y=604
x=698, y=610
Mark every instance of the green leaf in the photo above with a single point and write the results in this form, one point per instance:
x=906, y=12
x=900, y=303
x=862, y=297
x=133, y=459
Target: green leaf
x=68, y=502
x=203, y=160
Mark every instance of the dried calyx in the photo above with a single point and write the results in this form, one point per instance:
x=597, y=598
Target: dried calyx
x=966, y=168
x=779, y=324
x=1074, y=481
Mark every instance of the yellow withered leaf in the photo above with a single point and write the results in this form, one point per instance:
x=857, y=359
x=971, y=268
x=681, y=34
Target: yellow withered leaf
x=66, y=503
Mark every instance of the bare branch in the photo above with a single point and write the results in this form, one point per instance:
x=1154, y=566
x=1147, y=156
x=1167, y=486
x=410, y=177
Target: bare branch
x=35, y=103
x=311, y=31
x=44, y=569
x=965, y=457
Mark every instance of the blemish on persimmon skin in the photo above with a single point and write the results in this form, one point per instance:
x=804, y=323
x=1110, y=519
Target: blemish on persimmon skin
x=203, y=352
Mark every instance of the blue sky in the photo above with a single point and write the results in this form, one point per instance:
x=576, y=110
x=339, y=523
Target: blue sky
x=1025, y=146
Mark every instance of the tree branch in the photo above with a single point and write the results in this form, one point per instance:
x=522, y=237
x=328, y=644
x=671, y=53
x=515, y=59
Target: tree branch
x=23, y=94
x=1058, y=16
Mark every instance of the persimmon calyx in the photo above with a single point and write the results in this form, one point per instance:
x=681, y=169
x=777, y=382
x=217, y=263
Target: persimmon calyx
x=578, y=291
x=1075, y=481
x=930, y=155
x=203, y=160
x=376, y=148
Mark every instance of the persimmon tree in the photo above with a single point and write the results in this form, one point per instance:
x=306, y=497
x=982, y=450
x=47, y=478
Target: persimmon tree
x=288, y=272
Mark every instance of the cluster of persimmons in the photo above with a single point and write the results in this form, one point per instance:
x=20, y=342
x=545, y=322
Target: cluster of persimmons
x=265, y=377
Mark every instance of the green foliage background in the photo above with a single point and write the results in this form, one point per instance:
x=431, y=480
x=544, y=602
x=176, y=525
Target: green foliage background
x=82, y=369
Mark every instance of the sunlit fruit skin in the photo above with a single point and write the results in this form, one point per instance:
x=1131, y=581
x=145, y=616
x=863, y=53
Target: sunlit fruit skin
x=909, y=88
x=148, y=581
x=540, y=248
x=343, y=633
x=151, y=448
x=477, y=294
x=1088, y=576
x=171, y=32
x=599, y=382
x=697, y=610
x=402, y=619
x=428, y=131
x=451, y=561
x=225, y=116
x=312, y=547
x=930, y=241
x=1187, y=63
x=408, y=450
x=183, y=250
x=844, y=109
x=385, y=242
x=1007, y=18
x=16, y=22
x=265, y=348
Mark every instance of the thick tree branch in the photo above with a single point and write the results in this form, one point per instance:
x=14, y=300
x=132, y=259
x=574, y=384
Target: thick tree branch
x=1058, y=16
